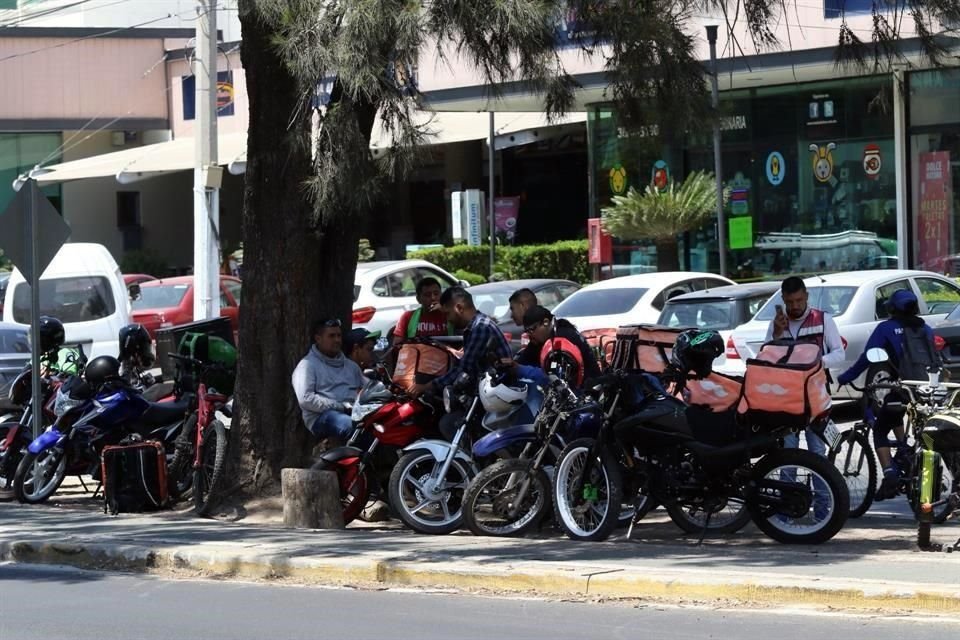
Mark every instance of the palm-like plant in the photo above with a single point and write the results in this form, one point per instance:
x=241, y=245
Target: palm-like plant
x=663, y=214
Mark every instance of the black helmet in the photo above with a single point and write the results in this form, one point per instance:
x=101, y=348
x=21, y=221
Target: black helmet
x=52, y=335
x=135, y=345
x=100, y=370
x=695, y=350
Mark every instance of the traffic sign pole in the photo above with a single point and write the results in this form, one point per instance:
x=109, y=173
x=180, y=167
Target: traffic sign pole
x=35, y=308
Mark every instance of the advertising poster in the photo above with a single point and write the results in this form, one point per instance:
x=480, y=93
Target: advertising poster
x=505, y=212
x=936, y=207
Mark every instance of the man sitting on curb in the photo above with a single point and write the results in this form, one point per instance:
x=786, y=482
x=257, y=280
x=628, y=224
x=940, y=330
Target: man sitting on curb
x=326, y=383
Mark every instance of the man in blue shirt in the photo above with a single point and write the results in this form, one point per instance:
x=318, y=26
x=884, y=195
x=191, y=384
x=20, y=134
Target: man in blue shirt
x=889, y=335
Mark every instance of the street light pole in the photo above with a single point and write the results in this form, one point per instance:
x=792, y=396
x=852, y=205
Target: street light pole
x=491, y=165
x=206, y=172
x=717, y=158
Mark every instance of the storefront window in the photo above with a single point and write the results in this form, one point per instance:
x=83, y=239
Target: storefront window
x=811, y=174
x=935, y=168
x=19, y=153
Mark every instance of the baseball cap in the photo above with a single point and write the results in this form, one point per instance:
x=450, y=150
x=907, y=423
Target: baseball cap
x=358, y=336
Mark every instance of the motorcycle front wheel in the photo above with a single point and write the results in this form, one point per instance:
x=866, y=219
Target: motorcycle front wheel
x=493, y=504
x=800, y=497
x=10, y=456
x=410, y=497
x=39, y=475
x=593, y=513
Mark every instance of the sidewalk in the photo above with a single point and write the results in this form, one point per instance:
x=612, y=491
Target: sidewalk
x=849, y=572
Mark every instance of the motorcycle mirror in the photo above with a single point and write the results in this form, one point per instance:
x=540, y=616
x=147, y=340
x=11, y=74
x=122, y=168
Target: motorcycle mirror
x=877, y=355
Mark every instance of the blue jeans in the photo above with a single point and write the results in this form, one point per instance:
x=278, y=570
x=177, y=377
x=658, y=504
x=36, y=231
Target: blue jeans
x=815, y=443
x=332, y=424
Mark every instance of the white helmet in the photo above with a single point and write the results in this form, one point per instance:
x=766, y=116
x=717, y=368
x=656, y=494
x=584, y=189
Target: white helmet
x=500, y=398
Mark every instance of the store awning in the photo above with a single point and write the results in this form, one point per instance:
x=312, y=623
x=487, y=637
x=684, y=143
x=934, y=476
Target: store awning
x=131, y=165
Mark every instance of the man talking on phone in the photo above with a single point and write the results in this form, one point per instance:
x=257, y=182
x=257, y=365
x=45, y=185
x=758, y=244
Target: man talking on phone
x=797, y=320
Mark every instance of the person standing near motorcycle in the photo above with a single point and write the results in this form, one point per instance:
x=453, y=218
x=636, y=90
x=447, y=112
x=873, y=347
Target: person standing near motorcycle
x=426, y=321
x=326, y=383
x=908, y=342
x=557, y=347
x=796, y=320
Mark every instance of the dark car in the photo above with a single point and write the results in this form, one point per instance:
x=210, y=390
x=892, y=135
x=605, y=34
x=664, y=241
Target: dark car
x=947, y=338
x=722, y=309
x=493, y=299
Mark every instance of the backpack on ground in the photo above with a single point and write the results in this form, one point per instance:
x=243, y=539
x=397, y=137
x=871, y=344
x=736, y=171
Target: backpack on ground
x=134, y=477
x=918, y=354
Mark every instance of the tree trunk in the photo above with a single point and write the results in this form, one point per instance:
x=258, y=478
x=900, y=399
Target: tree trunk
x=311, y=499
x=668, y=254
x=298, y=264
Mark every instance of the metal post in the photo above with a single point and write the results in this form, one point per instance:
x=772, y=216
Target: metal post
x=37, y=407
x=717, y=157
x=206, y=214
x=491, y=153
x=901, y=159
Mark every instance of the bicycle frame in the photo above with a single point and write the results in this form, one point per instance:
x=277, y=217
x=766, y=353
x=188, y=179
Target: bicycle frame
x=207, y=404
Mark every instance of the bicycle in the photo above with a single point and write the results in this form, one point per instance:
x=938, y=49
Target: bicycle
x=202, y=443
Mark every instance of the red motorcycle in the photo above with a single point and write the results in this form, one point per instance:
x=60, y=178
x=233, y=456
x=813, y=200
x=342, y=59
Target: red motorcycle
x=389, y=419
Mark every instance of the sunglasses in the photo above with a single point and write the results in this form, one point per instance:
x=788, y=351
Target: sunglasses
x=533, y=327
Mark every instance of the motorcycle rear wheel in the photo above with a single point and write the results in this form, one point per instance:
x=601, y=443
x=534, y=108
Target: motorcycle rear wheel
x=487, y=501
x=587, y=517
x=208, y=479
x=354, y=486
x=53, y=469
x=829, y=505
x=436, y=517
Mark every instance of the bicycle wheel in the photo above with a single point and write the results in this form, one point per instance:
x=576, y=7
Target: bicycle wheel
x=855, y=460
x=179, y=475
x=208, y=479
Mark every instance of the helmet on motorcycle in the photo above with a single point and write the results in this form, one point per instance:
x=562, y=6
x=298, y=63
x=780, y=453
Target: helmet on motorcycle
x=135, y=345
x=52, y=335
x=101, y=370
x=500, y=398
x=695, y=351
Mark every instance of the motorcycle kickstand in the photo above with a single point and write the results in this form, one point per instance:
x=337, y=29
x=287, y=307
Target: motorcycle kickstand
x=706, y=527
x=633, y=518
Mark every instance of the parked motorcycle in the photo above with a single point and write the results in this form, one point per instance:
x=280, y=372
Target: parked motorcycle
x=90, y=415
x=390, y=420
x=792, y=495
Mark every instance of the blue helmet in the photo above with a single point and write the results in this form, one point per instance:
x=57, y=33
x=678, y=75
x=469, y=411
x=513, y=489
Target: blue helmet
x=903, y=301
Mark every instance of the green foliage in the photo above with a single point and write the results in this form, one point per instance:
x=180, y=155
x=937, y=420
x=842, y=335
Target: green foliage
x=566, y=259
x=365, y=252
x=472, y=278
x=5, y=264
x=663, y=213
x=144, y=261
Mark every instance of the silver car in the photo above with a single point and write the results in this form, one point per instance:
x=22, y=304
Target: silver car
x=856, y=301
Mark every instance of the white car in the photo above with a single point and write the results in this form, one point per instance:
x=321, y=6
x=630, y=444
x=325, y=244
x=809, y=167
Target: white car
x=382, y=291
x=635, y=299
x=856, y=301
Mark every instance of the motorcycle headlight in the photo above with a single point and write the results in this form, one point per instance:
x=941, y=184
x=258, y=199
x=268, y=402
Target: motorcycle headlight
x=64, y=403
x=361, y=411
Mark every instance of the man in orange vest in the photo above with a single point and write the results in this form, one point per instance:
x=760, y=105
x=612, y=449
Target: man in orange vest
x=797, y=320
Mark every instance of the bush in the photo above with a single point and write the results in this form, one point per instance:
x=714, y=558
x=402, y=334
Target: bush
x=365, y=252
x=472, y=278
x=144, y=261
x=566, y=260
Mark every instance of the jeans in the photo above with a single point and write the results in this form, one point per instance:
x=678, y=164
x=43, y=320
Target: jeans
x=332, y=424
x=815, y=444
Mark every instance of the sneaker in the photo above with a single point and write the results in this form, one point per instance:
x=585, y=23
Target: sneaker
x=378, y=511
x=888, y=487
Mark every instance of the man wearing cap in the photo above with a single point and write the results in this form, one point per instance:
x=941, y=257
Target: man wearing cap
x=359, y=344
x=550, y=337
x=326, y=383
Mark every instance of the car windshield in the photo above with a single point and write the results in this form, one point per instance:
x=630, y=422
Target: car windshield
x=71, y=299
x=707, y=314
x=14, y=341
x=161, y=297
x=495, y=304
x=832, y=300
x=599, y=302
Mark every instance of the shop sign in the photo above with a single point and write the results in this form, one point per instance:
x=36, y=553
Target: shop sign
x=505, y=213
x=933, y=221
x=872, y=161
x=225, y=95
x=618, y=180
x=823, y=161
x=739, y=194
x=600, y=243
x=776, y=168
x=660, y=175
x=821, y=110
x=733, y=123
x=740, y=232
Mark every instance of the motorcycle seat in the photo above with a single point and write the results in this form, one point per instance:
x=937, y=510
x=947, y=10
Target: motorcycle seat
x=162, y=413
x=158, y=391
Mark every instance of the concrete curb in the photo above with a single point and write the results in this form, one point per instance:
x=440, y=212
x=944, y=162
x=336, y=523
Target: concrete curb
x=572, y=581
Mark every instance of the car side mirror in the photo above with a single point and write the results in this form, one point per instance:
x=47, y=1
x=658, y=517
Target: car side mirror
x=877, y=355
x=134, y=291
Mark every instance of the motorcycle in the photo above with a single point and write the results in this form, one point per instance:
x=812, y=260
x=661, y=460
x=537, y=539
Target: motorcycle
x=426, y=486
x=86, y=421
x=512, y=496
x=791, y=495
x=386, y=416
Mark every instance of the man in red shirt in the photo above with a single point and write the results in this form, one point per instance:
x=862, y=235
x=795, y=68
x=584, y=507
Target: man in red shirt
x=427, y=321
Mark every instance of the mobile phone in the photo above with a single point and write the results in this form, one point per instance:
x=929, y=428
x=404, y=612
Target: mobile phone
x=779, y=309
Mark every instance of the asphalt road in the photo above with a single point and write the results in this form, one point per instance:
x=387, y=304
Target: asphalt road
x=51, y=603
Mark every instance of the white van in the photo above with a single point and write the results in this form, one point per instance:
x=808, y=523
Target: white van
x=84, y=289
